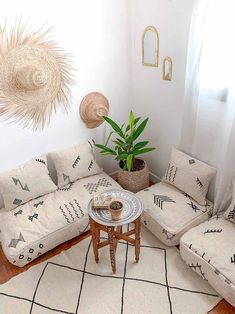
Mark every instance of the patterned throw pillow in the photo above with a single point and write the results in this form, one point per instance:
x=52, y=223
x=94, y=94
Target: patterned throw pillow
x=230, y=212
x=190, y=175
x=25, y=183
x=74, y=163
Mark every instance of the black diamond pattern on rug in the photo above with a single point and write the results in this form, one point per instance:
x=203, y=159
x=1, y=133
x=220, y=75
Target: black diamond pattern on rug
x=51, y=288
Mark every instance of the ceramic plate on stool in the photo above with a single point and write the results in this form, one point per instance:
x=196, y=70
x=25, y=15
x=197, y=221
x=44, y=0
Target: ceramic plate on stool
x=132, y=209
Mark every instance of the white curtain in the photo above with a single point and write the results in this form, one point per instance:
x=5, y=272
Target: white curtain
x=208, y=126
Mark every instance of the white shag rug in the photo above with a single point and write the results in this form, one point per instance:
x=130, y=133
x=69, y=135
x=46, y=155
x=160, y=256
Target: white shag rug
x=72, y=282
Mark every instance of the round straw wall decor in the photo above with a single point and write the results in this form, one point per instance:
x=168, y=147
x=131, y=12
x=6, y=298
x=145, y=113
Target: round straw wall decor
x=92, y=109
x=35, y=74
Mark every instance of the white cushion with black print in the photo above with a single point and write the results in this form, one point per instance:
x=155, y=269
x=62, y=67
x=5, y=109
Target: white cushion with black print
x=209, y=250
x=41, y=224
x=230, y=212
x=74, y=163
x=169, y=212
x=189, y=175
x=28, y=181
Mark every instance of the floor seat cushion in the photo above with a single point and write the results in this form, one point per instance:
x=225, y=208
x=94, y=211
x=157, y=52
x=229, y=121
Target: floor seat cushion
x=41, y=224
x=169, y=212
x=210, y=251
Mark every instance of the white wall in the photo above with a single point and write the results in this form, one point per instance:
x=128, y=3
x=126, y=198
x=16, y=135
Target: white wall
x=97, y=34
x=161, y=100
x=103, y=35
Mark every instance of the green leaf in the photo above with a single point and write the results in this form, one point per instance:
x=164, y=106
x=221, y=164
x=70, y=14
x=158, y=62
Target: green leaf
x=131, y=120
x=135, y=122
x=110, y=134
x=129, y=140
x=140, y=145
x=121, y=144
x=122, y=156
x=105, y=148
x=120, y=151
x=119, y=140
x=140, y=129
x=129, y=162
x=104, y=153
x=142, y=151
x=114, y=125
x=124, y=166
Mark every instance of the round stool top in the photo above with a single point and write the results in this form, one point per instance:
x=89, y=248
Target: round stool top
x=132, y=209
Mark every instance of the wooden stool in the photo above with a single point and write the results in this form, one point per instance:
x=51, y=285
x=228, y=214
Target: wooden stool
x=114, y=234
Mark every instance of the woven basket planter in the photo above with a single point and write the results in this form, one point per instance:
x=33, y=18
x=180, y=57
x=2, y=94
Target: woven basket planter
x=134, y=181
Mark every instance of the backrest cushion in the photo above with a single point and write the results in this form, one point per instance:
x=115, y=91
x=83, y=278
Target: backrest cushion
x=230, y=212
x=30, y=180
x=190, y=175
x=74, y=163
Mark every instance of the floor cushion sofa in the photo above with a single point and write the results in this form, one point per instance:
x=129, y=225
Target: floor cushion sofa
x=40, y=224
x=178, y=203
x=169, y=212
x=209, y=250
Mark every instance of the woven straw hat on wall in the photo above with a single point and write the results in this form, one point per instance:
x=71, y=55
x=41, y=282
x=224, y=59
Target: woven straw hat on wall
x=92, y=109
x=35, y=75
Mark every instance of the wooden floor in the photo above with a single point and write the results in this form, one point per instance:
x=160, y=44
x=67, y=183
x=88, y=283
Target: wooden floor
x=7, y=270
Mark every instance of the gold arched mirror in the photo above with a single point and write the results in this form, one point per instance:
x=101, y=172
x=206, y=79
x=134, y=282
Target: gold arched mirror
x=167, y=69
x=150, y=47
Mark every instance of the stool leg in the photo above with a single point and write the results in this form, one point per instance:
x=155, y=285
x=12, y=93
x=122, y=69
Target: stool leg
x=110, y=231
x=137, y=239
x=118, y=230
x=98, y=235
x=94, y=227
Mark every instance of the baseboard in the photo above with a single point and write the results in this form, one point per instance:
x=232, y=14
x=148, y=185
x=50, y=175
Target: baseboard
x=154, y=178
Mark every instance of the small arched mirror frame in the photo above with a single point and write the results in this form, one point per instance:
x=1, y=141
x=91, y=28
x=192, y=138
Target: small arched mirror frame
x=167, y=69
x=155, y=51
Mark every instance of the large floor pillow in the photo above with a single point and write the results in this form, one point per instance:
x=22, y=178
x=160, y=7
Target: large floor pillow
x=41, y=224
x=169, y=212
x=209, y=250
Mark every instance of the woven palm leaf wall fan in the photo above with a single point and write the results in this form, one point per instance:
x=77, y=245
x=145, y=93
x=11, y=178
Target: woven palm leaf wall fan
x=35, y=76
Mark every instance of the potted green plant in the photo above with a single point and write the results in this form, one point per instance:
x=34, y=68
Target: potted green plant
x=133, y=173
x=115, y=208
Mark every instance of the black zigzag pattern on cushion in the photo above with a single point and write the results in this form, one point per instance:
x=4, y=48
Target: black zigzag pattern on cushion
x=90, y=165
x=231, y=214
x=171, y=173
x=66, y=177
x=76, y=162
x=41, y=161
x=24, y=187
x=19, y=212
x=71, y=211
x=233, y=259
x=199, y=183
x=36, y=205
x=169, y=236
x=159, y=200
x=216, y=271
x=213, y=231
x=198, y=269
x=93, y=187
x=14, y=242
x=66, y=188
x=194, y=206
x=34, y=216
